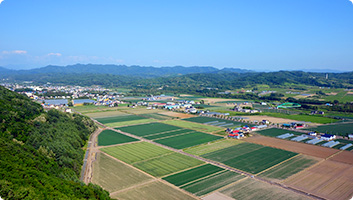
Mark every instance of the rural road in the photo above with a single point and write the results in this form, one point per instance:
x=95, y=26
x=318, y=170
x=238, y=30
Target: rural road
x=92, y=150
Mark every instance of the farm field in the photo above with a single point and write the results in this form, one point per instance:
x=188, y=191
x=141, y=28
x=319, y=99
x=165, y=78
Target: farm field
x=93, y=108
x=213, y=146
x=290, y=167
x=177, y=115
x=329, y=179
x=344, y=156
x=194, y=126
x=252, y=189
x=156, y=116
x=192, y=174
x=187, y=140
x=154, y=190
x=211, y=183
x=249, y=157
x=119, y=118
x=298, y=147
x=148, y=129
x=203, y=119
x=138, y=111
x=274, y=132
x=109, y=137
x=168, y=134
x=135, y=152
x=152, y=159
x=271, y=119
x=306, y=118
x=167, y=164
x=132, y=122
x=102, y=114
x=341, y=128
x=113, y=175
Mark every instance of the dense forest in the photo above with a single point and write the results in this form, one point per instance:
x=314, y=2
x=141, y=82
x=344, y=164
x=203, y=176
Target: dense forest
x=41, y=152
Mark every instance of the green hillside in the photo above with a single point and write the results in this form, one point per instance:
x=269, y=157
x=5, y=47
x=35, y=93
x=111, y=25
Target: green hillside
x=41, y=152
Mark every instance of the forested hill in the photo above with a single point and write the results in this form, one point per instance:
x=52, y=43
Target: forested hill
x=41, y=152
x=135, y=71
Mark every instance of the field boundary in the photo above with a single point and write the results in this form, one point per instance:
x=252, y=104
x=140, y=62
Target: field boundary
x=278, y=164
x=173, y=135
x=162, y=132
x=193, y=181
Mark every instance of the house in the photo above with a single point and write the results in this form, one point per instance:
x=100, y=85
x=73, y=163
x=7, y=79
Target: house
x=312, y=134
x=350, y=136
x=328, y=137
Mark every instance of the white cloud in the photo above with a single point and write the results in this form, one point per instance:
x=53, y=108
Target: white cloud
x=351, y=1
x=15, y=51
x=54, y=54
x=0, y=3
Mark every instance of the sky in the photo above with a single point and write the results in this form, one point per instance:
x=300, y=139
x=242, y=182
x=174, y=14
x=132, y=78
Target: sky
x=261, y=35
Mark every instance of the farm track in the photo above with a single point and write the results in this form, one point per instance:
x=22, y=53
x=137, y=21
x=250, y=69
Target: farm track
x=88, y=175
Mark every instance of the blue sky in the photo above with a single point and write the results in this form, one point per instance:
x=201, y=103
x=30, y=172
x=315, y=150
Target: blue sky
x=256, y=35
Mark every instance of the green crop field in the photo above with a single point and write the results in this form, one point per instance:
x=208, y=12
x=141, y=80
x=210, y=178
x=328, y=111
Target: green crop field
x=274, y=132
x=155, y=190
x=203, y=119
x=148, y=129
x=120, y=118
x=167, y=134
x=192, y=174
x=103, y=114
x=292, y=166
x=306, y=118
x=252, y=158
x=133, y=122
x=188, y=140
x=167, y=164
x=156, y=116
x=214, y=146
x=109, y=137
x=252, y=189
x=334, y=128
x=194, y=126
x=113, y=175
x=212, y=183
x=135, y=152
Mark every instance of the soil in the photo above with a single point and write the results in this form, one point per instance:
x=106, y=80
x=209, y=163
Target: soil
x=344, y=156
x=329, y=180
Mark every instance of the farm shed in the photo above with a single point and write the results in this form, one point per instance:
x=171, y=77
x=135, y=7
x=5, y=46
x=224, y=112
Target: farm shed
x=300, y=138
x=330, y=144
x=314, y=141
x=346, y=146
x=286, y=135
x=211, y=123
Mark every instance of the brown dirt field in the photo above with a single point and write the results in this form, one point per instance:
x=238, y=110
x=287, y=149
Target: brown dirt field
x=344, y=156
x=217, y=196
x=175, y=114
x=271, y=119
x=332, y=93
x=306, y=149
x=329, y=179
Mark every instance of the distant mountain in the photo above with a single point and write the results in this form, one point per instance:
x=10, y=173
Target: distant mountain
x=3, y=69
x=323, y=70
x=137, y=71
